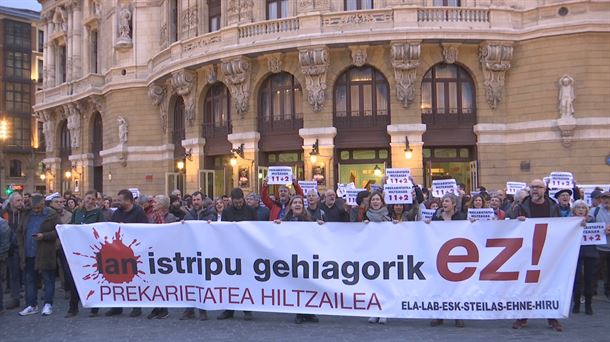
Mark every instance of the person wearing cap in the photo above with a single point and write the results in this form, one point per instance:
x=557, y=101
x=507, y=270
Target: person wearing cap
x=596, y=197
x=537, y=204
x=601, y=214
x=254, y=200
x=37, y=240
x=563, y=198
x=236, y=212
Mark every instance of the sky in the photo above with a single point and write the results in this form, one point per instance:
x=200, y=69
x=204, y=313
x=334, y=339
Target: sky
x=28, y=4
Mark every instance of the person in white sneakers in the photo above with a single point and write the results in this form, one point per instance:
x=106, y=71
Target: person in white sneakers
x=37, y=241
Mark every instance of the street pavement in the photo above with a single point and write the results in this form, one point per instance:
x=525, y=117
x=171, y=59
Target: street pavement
x=281, y=327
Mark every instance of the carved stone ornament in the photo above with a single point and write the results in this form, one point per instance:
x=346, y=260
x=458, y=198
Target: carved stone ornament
x=184, y=82
x=125, y=20
x=495, y=61
x=73, y=125
x=97, y=103
x=48, y=128
x=358, y=55
x=274, y=63
x=567, y=126
x=405, y=60
x=60, y=22
x=211, y=74
x=314, y=63
x=158, y=94
x=566, y=96
x=123, y=129
x=237, y=75
x=306, y=5
x=450, y=52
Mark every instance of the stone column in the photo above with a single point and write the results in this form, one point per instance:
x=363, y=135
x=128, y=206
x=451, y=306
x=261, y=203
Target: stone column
x=69, y=45
x=77, y=41
x=398, y=134
x=193, y=166
x=45, y=53
x=51, y=71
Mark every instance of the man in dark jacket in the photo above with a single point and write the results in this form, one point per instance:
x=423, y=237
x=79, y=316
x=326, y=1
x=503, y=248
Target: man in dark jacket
x=14, y=215
x=89, y=213
x=238, y=211
x=37, y=240
x=198, y=213
x=333, y=211
x=537, y=204
x=127, y=212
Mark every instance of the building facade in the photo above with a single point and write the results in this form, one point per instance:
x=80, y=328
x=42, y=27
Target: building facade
x=204, y=94
x=21, y=145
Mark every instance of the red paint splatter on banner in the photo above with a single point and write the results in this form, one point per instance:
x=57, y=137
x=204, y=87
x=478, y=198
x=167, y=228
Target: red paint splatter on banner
x=90, y=294
x=113, y=261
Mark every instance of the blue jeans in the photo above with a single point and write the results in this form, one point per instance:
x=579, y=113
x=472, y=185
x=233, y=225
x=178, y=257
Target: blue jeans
x=31, y=283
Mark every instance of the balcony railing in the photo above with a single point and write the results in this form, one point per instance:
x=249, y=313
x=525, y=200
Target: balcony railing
x=269, y=27
x=356, y=120
x=453, y=15
x=281, y=124
x=213, y=132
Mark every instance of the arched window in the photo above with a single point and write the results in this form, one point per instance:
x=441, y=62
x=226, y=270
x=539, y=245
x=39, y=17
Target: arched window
x=178, y=129
x=65, y=149
x=361, y=99
x=448, y=95
x=217, y=120
x=280, y=103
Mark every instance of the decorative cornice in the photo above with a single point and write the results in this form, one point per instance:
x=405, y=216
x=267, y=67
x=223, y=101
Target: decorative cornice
x=314, y=63
x=495, y=59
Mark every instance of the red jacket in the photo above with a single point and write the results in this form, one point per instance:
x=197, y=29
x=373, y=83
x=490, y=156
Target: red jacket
x=275, y=207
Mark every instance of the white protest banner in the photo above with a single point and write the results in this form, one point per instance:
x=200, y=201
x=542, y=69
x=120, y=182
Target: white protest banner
x=279, y=175
x=376, y=187
x=561, y=180
x=594, y=234
x=426, y=214
x=457, y=269
x=351, y=195
x=398, y=176
x=483, y=214
x=398, y=194
x=513, y=187
x=440, y=187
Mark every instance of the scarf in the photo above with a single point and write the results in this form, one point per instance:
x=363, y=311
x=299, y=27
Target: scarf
x=158, y=216
x=378, y=215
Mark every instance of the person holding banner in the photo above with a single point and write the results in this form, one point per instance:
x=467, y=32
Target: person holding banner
x=448, y=212
x=587, y=258
x=254, y=200
x=494, y=203
x=362, y=203
x=537, y=204
x=377, y=212
x=333, y=211
x=89, y=213
x=601, y=213
x=313, y=205
x=277, y=209
x=127, y=212
x=238, y=211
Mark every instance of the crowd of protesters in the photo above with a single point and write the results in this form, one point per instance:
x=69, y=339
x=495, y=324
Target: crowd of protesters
x=30, y=251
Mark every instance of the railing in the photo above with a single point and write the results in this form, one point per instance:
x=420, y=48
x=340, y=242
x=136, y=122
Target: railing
x=366, y=119
x=457, y=15
x=212, y=132
x=269, y=27
x=279, y=124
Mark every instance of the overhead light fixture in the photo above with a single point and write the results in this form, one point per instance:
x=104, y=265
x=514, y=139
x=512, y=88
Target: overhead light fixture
x=315, y=151
x=408, y=149
x=377, y=171
x=68, y=174
x=43, y=177
x=180, y=165
x=233, y=161
x=237, y=152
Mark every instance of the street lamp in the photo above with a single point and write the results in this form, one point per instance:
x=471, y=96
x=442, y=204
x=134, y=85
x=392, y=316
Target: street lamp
x=377, y=171
x=237, y=152
x=408, y=149
x=68, y=174
x=180, y=165
x=3, y=129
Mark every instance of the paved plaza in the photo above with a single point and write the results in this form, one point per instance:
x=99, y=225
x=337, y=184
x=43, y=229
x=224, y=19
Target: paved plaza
x=280, y=327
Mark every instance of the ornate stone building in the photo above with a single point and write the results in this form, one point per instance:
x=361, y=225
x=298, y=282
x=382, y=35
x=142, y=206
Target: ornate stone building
x=160, y=94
